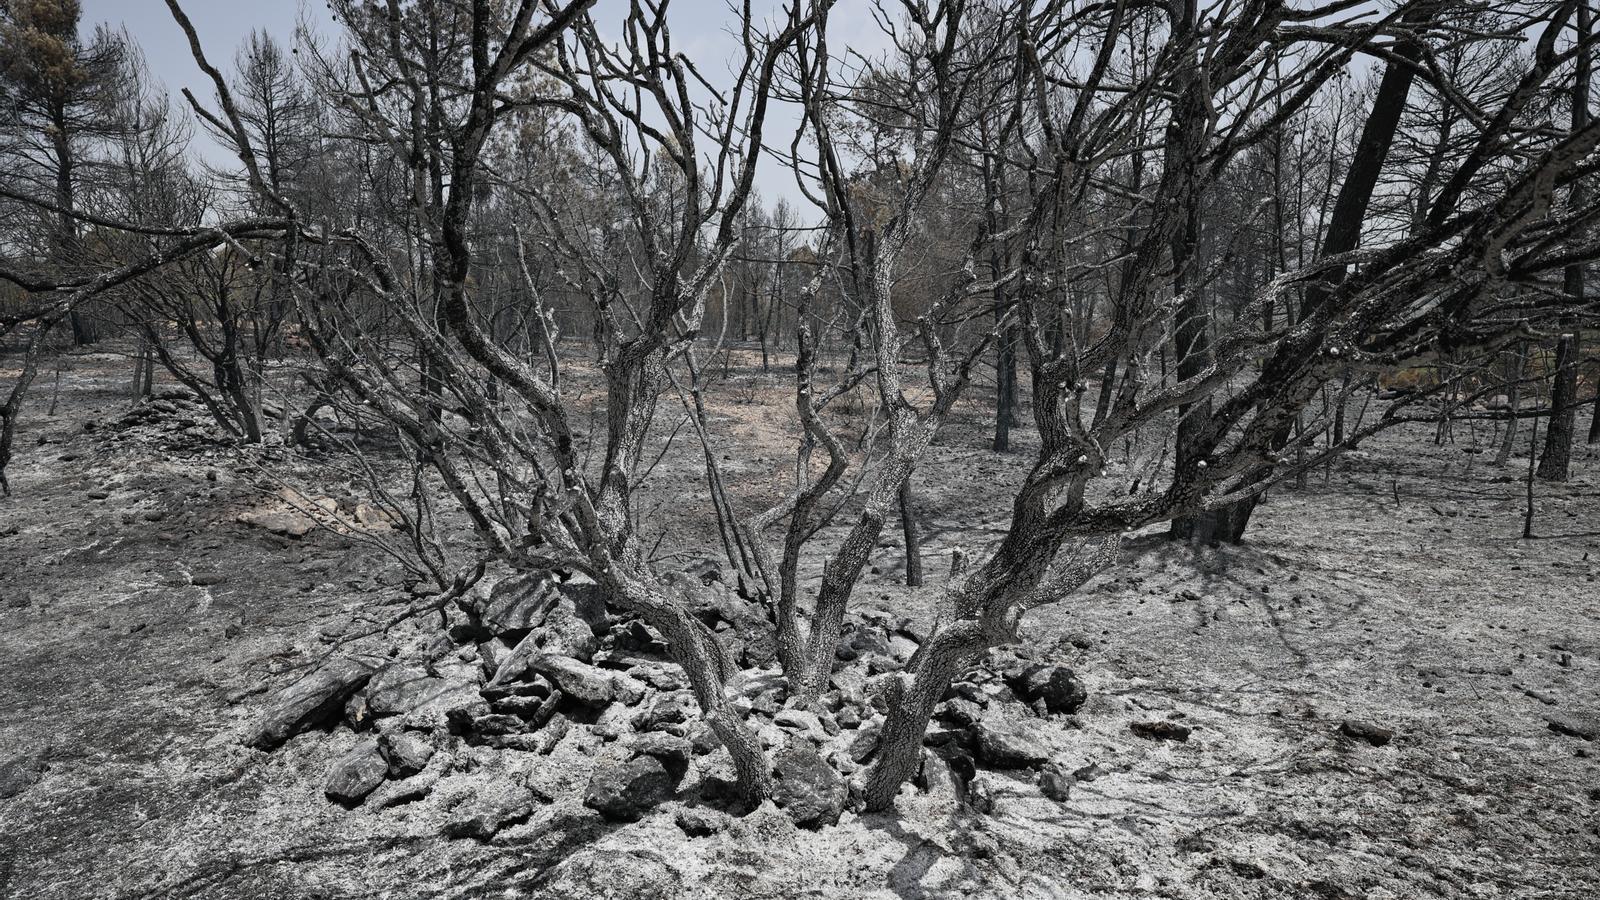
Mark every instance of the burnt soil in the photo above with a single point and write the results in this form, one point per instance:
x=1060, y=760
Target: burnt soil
x=144, y=626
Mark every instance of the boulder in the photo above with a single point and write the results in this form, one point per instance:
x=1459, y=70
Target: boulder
x=624, y=792
x=807, y=788
x=1058, y=687
x=404, y=690
x=407, y=790
x=639, y=874
x=1375, y=735
x=981, y=791
x=356, y=774
x=20, y=773
x=613, y=723
x=1574, y=726
x=1003, y=745
x=702, y=738
x=803, y=722
x=959, y=711
x=406, y=753
x=671, y=711
x=313, y=699
x=1161, y=730
x=865, y=742
x=742, y=625
x=861, y=639
x=635, y=636
x=671, y=751
x=1056, y=783
x=937, y=777
x=286, y=522
x=584, y=683
x=499, y=804
x=698, y=821
x=357, y=714
x=570, y=608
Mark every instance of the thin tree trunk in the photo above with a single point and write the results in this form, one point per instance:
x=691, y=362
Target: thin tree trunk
x=1556, y=461
x=1005, y=408
x=1514, y=398
x=908, y=524
x=11, y=410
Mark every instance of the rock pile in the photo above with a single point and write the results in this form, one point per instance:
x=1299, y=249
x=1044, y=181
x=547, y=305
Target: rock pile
x=535, y=660
x=172, y=419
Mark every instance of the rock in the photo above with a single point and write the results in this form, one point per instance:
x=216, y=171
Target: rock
x=20, y=773
x=807, y=788
x=1161, y=730
x=1574, y=726
x=938, y=778
x=755, y=684
x=408, y=790
x=207, y=579
x=742, y=625
x=1087, y=773
x=981, y=793
x=1056, y=783
x=1366, y=731
x=959, y=711
x=702, y=738
x=425, y=700
x=848, y=716
x=939, y=735
x=865, y=743
x=636, y=636
x=1057, y=686
x=407, y=754
x=570, y=608
x=672, y=752
x=317, y=697
x=860, y=639
x=698, y=821
x=356, y=774
x=1008, y=745
x=662, y=678
x=527, y=707
x=530, y=685
x=627, y=690
x=542, y=743
x=802, y=721
x=642, y=874
x=497, y=724
x=624, y=792
x=498, y=805
x=286, y=522
x=668, y=712
x=579, y=680
x=374, y=518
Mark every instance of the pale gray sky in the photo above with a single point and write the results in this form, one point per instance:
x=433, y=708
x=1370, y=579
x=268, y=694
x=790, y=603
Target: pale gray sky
x=699, y=30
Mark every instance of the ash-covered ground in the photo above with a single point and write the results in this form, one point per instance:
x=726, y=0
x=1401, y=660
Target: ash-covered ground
x=1386, y=693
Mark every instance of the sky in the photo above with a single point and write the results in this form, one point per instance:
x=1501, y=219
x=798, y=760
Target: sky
x=699, y=30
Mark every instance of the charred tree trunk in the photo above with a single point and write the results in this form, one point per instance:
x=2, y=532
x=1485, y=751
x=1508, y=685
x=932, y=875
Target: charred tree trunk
x=1343, y=236
x=1556, y=459
x=1514, y=400
x=1186, y=135
x=11, y=410
x=1005, y=410
x=908, y=526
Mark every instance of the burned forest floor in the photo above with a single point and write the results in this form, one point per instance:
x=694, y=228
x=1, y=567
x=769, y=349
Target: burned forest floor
x=1386, y=692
